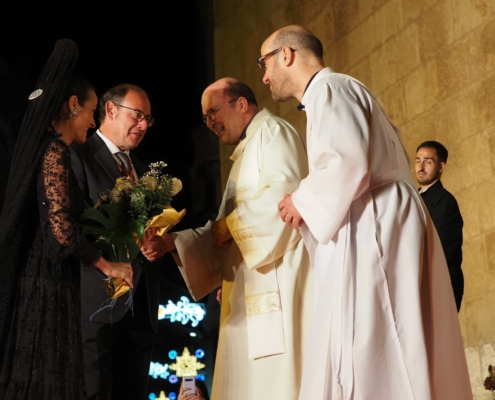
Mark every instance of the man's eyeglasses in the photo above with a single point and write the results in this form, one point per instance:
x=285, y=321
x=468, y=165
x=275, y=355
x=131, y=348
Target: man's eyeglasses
x=138, y=115
x=262, y=60
x=211, y=114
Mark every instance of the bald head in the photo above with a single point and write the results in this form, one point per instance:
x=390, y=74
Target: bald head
x=297, y=37
x=228, y=105
x=219, y=85
x=290, y=57
x=232, y=88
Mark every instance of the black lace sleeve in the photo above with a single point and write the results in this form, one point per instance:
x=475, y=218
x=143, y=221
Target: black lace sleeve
x=58, y=208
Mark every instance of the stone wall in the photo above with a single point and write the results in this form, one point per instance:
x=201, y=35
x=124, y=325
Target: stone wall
x=432, y=65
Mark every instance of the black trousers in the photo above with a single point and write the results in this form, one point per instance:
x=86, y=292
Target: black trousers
x=117, y=356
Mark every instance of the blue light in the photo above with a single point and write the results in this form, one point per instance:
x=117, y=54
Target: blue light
x=172, y=396
x=184, y=311
x=173, y=379
x=199, y=353
x=200, y=377
x=172, y=354
x=152, y=396
x=158, y=370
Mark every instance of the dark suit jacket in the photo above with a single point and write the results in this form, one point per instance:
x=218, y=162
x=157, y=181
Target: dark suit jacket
x=446, y=216
x=96, y=172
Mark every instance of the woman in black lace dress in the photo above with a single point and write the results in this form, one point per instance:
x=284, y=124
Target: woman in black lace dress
x=42, y=245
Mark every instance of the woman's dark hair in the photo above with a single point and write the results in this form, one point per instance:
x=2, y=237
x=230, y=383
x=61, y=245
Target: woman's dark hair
x=204, y=390
x=80, y=88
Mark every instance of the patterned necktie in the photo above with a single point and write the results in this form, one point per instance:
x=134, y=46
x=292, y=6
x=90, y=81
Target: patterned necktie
x=126, y=162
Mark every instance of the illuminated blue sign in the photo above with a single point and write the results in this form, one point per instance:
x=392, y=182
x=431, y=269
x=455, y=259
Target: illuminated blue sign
x=184, y=311
x=158, y=370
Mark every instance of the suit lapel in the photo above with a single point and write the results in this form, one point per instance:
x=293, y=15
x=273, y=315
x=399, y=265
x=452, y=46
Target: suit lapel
x=103, y=156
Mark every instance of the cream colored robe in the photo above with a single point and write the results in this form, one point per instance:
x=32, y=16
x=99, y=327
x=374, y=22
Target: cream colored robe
x=385, y=325
x=264, y=272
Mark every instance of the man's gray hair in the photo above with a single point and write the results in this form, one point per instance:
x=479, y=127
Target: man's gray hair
x=116, y=94
x=236, y=89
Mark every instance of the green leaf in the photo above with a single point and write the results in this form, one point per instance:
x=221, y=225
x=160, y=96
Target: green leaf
x=114, y=213
x=132, y=247
x=115, y=235
x=134, y=226
x=120, y=243
x=96, y=230
x=105, y=248
x=97, y=216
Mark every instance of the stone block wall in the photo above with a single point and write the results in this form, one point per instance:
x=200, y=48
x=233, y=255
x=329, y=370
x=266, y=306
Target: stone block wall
x=432, y=65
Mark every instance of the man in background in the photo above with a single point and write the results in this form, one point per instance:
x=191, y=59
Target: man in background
x=431, y=158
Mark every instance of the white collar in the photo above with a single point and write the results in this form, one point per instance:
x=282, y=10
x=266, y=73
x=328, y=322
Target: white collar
x=111, y=146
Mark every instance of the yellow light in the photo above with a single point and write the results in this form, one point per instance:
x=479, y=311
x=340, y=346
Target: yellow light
x=162, y=396
x=186, y=364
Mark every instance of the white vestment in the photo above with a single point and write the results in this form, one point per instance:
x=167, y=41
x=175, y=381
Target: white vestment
x=264, y=272
x=385, y=326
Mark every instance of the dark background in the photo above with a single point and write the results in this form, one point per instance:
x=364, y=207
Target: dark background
x=165, y=48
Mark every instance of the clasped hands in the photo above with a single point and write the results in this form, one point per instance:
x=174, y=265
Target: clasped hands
x=153, y=247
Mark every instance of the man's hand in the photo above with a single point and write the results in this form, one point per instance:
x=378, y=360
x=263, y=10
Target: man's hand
x=116, y=270
x=220, y=232
x=289, y=213
x=156, y=246
x=149, y=233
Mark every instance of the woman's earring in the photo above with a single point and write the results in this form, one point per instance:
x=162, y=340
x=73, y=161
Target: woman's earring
x=73, y=113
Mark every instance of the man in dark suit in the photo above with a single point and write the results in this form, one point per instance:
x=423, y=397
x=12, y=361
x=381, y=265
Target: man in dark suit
x=431, y=158
x=117, y=341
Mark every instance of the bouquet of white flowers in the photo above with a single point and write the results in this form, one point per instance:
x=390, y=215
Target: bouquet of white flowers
x=117, y=223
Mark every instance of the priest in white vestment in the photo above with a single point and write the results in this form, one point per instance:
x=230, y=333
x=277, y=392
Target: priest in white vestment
x=384, y=326
x=261, y=264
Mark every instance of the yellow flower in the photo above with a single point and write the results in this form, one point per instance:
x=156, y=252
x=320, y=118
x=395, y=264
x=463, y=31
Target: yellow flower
x=123, y=184
x=136, y=197
x=176, y=186
x=150, y=182
x=102, y=200
x=115, y=196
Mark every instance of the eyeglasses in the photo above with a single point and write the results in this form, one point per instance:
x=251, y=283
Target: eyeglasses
x=211, y=114
x=262, y=60
x=138, y=115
